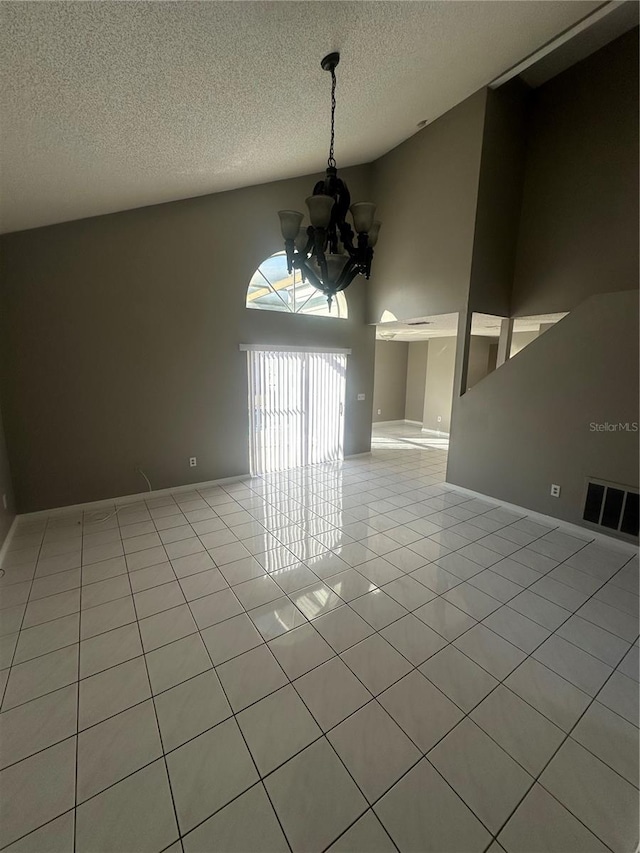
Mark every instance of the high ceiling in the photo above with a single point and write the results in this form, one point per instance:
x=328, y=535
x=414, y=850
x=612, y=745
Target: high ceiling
x=112, y=105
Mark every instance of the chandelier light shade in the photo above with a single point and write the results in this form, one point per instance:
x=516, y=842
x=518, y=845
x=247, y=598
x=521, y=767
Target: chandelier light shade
x=330, y=252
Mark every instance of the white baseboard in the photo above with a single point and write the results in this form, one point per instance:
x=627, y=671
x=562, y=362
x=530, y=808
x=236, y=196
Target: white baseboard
x=396, y=423
x=357, y=455
x=127, y=499
x=437, y=432
x=572, y=529
x=7, y=539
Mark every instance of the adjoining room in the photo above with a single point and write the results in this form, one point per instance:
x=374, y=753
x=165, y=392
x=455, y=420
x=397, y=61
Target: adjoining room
x=413, y=378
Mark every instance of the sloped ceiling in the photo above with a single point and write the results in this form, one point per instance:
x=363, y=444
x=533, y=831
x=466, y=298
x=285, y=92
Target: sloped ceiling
x=112, y=105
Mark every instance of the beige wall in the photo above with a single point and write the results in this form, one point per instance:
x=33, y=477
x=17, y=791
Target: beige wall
x=579, y=225
x=6, y=489
x=120, y=340
x=527, y=425
x=426, y=191
x=390, y=381
x=416, y=379
x=439, y=384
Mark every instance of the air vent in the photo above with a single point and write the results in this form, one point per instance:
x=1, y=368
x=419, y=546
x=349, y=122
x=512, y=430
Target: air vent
x=612, y=506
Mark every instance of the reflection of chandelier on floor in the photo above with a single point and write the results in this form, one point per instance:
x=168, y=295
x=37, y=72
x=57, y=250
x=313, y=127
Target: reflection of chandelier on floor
x=328, y=253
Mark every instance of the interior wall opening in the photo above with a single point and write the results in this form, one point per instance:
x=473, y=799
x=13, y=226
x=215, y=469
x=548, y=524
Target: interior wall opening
x=414, y=376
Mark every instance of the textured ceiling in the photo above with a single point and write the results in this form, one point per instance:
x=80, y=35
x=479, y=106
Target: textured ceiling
x=112, y=105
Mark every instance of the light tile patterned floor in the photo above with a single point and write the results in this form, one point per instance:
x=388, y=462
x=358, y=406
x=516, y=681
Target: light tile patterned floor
x=349, y=657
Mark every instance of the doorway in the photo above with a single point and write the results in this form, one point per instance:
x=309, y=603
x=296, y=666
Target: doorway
x=296, y=408
x=414, y=377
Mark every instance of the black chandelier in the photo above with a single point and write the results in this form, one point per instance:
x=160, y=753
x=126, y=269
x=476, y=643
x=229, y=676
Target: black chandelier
x=329, y=253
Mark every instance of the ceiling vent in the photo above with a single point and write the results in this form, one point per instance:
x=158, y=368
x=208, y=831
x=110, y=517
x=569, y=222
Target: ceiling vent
x=612, y=506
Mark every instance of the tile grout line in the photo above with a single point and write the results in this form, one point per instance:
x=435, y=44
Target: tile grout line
x=155, y=711
x=481, y=569
x=3, y=693
x=77, y=727
x=239, y=728
x=567, y=735
x=375, y=631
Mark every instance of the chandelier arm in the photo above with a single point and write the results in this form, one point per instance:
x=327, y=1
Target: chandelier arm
x=353, y=272
x=347, y=235
x=289, y=249
x=348, y=273
x=313, y=278
x=324, y=271
x=320, y=241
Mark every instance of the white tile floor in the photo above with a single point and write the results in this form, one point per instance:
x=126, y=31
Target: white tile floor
x=352, y=658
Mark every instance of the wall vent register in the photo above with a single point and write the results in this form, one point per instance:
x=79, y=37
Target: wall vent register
x=612, y=506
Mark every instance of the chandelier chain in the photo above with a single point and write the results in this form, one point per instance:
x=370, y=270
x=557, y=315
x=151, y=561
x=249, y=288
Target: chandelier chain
x=331, y=161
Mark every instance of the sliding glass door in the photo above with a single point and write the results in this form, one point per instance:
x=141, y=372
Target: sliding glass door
x=296, y=408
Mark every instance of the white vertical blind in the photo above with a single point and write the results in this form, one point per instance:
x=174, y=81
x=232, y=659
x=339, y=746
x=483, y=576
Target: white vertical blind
x=296, y=408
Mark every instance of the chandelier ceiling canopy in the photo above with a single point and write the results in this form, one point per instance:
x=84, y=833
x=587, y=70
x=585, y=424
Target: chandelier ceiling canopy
x=331, y=251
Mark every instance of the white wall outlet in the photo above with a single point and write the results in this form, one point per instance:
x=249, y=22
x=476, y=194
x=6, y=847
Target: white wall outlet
x=192, y=461
x=439, y=419
x=360, y=396
x=4, y=501
x=555, y=491
x=379, y=411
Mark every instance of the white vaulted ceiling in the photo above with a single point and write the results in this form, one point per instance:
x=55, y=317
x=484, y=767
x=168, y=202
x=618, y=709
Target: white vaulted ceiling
x=106, y=106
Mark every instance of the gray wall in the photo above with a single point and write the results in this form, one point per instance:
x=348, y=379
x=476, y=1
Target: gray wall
x=479, y=359
x=120, y=339
x=416, y=379
x=499, y=199
x=579, y=225
x=527, y=425
x=519, y=340
x=6, y=489
x=390, y=380
x=439, y=384
x=426, y=191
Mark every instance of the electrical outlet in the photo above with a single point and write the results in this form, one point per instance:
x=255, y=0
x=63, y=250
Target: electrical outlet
x=360, y=396
x=555, y=491
x=379, y=411
x=192, y=461
x=439, y=419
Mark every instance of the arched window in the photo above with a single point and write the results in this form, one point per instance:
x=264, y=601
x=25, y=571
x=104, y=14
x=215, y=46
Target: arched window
x=272, y=288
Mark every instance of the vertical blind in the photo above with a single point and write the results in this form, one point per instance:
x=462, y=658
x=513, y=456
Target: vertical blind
x=296, y=408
